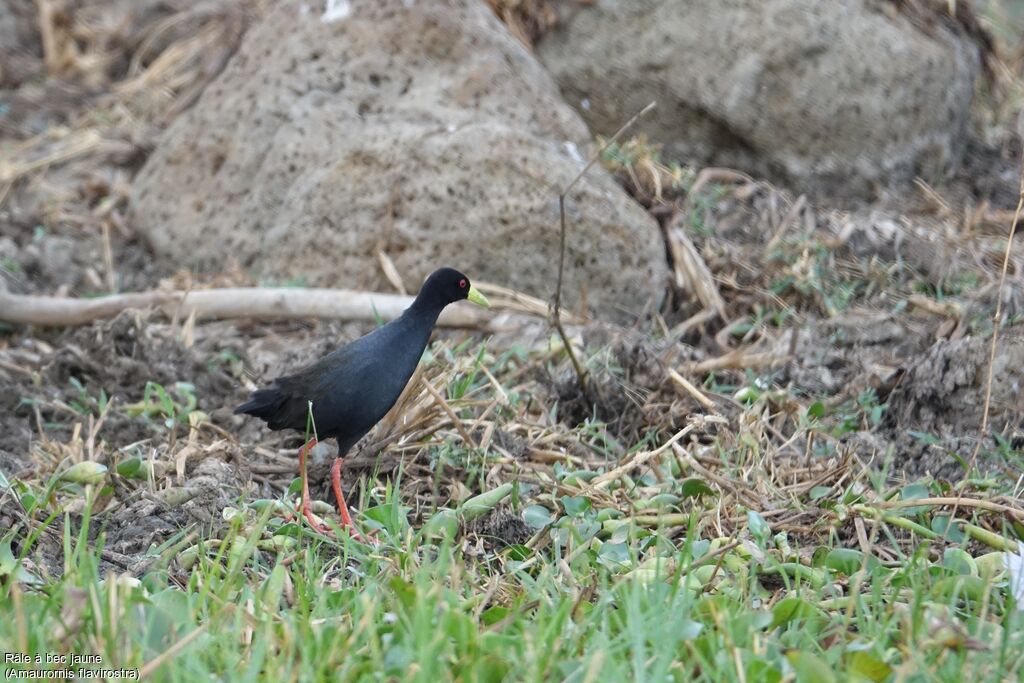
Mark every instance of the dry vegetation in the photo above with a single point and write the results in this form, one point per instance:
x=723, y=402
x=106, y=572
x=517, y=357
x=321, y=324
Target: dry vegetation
x=809, y=416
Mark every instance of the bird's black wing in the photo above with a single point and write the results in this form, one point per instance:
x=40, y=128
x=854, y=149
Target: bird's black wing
x=285, y=403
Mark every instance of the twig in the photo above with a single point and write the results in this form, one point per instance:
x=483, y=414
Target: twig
x=436, y=395
x=108, y=258
x=150, y=667
x=692, y=390
x=556, y=314
x=738, y=359
x=954, y=501
x=638, y=459
x=947, y=308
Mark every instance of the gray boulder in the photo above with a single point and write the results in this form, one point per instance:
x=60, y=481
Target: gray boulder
x=832, y=95
x=21, y=50
x=422, y=128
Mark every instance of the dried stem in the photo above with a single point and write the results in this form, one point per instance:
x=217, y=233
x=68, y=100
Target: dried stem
x=996, y=319
x=556, y=316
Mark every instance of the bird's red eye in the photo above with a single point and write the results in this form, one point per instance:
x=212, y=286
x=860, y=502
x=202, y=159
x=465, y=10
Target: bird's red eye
x=463, y=283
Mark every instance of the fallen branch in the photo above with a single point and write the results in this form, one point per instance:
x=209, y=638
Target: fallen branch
x=262, y=303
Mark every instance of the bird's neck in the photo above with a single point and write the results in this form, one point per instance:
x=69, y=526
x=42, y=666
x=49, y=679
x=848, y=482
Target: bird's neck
x=416, y=323
x=424, y=309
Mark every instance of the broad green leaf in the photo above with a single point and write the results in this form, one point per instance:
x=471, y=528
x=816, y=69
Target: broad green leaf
x=848, y=561
x=958, y=561
x=690, y=630
x=493, y=615
x=662, y=500
x=586, y=528
x=951, y=529
x=792, y=609
x=914, y=492
x=960, y=587
x=85, y=472
x=576, y=506
x=760, y=671
x=759, y=528
x=7, y=560
x=129, y=468
x=490, y=669
x=695, y=488
x=810, y=668
x=868, y=667
x=615, y=556
x=537, y=516
x=819, y=556
x=819, y=492
x=517, y=552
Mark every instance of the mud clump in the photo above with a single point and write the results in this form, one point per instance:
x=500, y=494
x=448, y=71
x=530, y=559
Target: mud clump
x=149, y=520
x=625, y=379
x=498, y=529
x=942, y=396
x=114, y=360
x=125, y=353
x=95, y=372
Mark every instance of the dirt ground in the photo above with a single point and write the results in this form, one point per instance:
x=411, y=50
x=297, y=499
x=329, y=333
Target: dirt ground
x=881, y=313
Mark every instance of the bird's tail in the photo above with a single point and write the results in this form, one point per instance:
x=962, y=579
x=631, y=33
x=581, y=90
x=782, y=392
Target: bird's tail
x=263, y=403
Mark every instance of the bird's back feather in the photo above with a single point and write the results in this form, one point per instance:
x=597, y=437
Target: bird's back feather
x=278, y=407
x=351, y=388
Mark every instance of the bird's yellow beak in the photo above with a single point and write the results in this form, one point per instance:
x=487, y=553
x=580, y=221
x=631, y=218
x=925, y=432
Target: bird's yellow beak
x=476, y=297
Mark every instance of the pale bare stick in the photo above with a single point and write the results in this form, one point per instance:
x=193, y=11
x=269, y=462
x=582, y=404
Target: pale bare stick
x=263, y=303
x=556, y=315
x=687, y=386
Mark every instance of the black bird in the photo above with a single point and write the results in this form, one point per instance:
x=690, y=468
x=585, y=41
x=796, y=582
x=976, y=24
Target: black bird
x=349, y=390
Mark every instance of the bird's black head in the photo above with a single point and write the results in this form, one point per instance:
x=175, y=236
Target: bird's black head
x=447, y=285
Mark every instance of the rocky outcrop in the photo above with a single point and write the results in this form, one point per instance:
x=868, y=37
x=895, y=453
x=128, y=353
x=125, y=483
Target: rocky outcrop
x=423, y=129
x=20, y=49
x=827, y=94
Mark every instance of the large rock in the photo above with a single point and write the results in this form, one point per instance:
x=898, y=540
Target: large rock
x=829, y=94
x=21, y=50
x=423, y=127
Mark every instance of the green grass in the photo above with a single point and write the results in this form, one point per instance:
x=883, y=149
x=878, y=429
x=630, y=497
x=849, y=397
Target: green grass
x=728, y=556
x=617, y=599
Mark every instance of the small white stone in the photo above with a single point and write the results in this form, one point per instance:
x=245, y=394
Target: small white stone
x=1015, y=570
x=574, y=153
x=336, y=10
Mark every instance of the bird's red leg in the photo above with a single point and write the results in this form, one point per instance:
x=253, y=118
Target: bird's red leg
x=346, y=518
x=307, y=510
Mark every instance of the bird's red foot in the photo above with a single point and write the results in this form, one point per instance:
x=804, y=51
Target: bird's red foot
x=315, y=522
x=346, y=518
x=321, y=527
